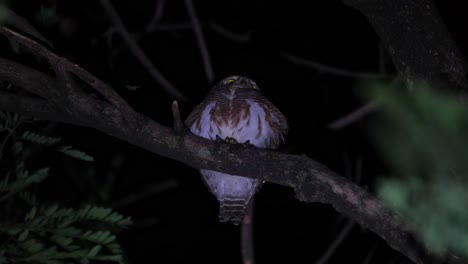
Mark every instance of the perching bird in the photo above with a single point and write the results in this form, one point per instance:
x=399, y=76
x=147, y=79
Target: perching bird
x=236, y=111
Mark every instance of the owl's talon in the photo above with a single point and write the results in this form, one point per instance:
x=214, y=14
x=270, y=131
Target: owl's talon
x=231, y=140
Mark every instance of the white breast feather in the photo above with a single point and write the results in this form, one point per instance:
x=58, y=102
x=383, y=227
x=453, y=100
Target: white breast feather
x=245, y=130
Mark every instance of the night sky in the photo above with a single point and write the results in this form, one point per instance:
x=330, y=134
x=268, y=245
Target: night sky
x=179, y=223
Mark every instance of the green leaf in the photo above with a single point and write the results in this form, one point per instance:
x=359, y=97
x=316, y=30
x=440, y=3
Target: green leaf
x=32, y=246
x=23, y=235
x=31, y=214
x=40, y=139
x=75, y=153
x=51, y=210
x=94, y=251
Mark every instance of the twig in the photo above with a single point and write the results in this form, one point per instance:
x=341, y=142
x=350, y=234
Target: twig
x=338, y=240
x=332, y=70
x=158, y=12
x=354, y=116
x=247, y=241
x=139, y=53
x=363, y=110
x=178, y=125
x=11, y=132
x=200, y=40
x=237, y=37
x=101, y=87
x=23, y=25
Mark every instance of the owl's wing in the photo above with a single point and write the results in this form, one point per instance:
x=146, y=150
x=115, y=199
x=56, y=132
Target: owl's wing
x=277, y=123
x=199, y=120
x=194, y=115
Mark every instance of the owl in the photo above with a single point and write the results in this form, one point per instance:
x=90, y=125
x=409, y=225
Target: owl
x=235, y=111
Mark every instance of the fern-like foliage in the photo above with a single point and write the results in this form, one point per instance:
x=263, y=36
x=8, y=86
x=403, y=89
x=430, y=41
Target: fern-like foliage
x=40, y=139
x=9, y=121
x=77, y=154
x=53, y=141
x=54, y=234
x=11, y=185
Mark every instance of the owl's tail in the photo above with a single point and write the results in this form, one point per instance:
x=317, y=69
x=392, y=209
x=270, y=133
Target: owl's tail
x=232, y=210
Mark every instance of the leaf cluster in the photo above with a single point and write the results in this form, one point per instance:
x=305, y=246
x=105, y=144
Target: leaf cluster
x=54, y=234
x=422, y=135
x=43, y=232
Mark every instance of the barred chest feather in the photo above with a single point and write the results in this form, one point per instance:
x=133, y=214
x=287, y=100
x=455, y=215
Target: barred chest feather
x=243, y=119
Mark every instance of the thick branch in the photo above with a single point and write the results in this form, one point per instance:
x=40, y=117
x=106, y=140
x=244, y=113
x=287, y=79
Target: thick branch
x=417, y=40
x=312, y=181
x=31, y=107
x=100, y=86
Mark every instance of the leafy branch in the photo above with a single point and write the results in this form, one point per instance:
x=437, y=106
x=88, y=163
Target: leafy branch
x=51, y=233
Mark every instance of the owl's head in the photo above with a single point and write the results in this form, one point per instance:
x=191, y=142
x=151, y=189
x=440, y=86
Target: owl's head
x=238, y=81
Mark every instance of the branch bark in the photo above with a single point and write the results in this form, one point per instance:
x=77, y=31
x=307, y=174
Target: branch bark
x=312, y=181
x=418, y=41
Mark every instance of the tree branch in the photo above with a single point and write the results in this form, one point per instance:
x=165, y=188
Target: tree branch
x=312, y=181
x=158, y=12
x=417, y=39
x=100, y=86
x=23, y=25
x=247, y=235
x=332, y=70
x=178, y=124
x=31, y=107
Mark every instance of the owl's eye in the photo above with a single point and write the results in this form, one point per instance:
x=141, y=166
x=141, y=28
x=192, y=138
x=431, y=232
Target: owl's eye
x=231, y=81
x=254, y=86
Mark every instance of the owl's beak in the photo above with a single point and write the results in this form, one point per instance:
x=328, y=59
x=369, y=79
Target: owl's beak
x=243, y=82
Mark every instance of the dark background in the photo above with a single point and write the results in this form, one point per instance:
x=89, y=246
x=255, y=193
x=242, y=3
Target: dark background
x=178, y=223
